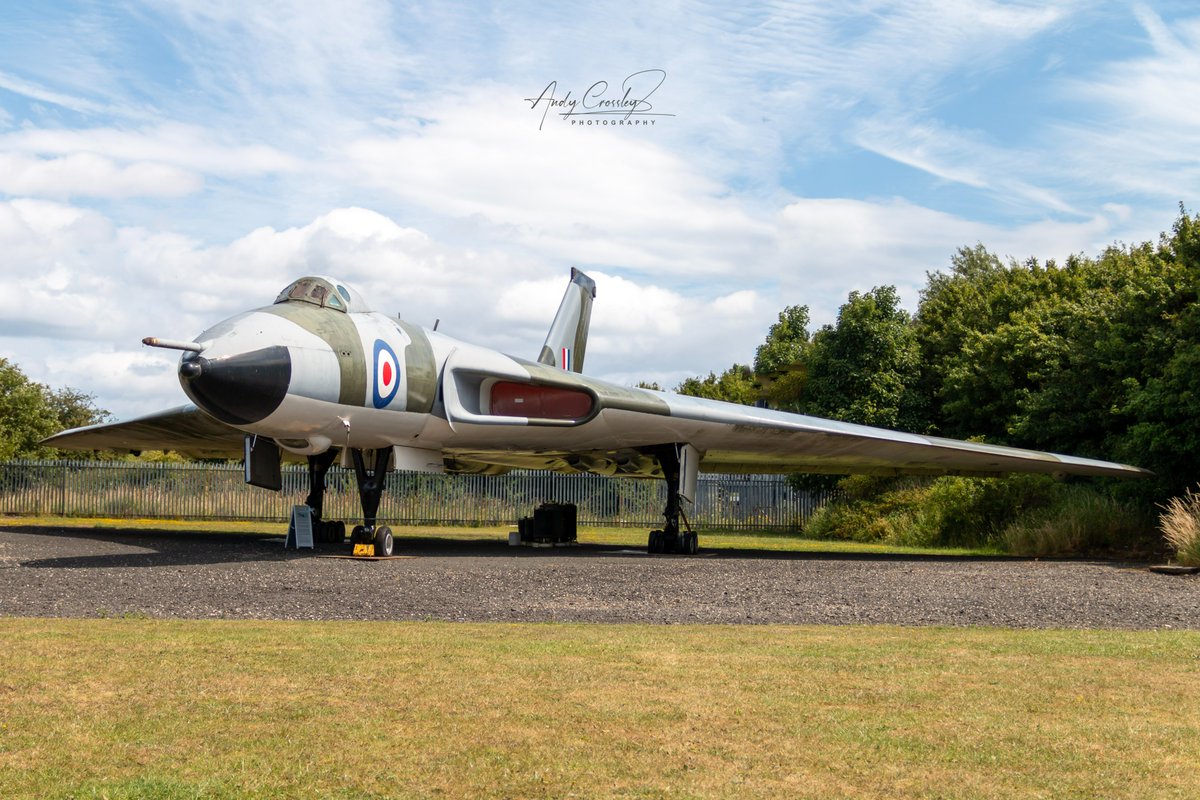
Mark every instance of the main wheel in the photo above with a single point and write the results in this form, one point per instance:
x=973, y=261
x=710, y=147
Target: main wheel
x=339, y=532
x=691, y=543
x=385, y=545
x=357, y=536
x=654, y=544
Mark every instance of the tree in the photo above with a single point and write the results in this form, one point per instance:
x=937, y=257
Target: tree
x=29, y=412
x=1098, y=357
x=785, y=343
x=779, y=362
x=984, y=343
x=865, y=368
x=75, y=409
x=25, y=415
x=734, y=385
x=1159, y=394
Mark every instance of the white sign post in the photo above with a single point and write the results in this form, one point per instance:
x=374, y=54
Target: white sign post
x=300, y=532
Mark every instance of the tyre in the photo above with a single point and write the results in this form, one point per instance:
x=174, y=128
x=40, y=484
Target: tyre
x=385, y=545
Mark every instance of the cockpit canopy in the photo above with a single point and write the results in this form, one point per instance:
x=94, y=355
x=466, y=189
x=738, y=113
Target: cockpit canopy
x=324, y=292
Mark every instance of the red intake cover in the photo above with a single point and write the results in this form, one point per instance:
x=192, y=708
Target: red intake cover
x=539, y=402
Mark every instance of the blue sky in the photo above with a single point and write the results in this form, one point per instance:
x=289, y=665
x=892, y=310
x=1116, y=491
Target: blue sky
x=164, y=165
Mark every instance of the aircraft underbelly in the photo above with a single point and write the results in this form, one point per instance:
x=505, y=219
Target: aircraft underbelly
x=324, y=424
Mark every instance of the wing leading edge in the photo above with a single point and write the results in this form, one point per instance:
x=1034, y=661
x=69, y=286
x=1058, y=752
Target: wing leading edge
x=744, y=439
x=185, y=429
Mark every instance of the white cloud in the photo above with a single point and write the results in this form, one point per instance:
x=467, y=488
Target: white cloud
x=611, y=196
x=186, y=146
x=85, y=174
x=102, y=288
x=33, y=91
x=1136, y=134
x=77, y=286
x=960, y=157
x=842, y=245
x=1142, y=135
x=737, y=304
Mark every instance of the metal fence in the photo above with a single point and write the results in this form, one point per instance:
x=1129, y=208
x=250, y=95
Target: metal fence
x=217, y=491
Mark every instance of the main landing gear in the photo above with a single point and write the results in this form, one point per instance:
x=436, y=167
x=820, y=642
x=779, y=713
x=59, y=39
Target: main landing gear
x=328, y=531
x=371, y=482
x=670, y=539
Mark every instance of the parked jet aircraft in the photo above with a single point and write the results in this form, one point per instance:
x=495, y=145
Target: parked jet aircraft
x=318, y=374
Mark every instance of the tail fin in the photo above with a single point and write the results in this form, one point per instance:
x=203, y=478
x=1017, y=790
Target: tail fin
x=567, y=340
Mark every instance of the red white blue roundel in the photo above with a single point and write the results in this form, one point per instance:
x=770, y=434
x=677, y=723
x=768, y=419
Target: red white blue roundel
x=387, y=374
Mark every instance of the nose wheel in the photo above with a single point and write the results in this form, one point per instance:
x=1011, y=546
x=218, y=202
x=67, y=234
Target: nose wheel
x=380, y=539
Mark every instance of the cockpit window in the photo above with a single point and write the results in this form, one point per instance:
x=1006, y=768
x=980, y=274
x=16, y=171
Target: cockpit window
x=317, y=291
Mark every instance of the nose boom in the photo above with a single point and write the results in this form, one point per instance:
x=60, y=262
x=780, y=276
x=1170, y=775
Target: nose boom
x=238, y=389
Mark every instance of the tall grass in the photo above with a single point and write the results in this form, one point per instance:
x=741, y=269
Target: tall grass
x=1180, y=526
x=1029, y=515
x=1079, y=521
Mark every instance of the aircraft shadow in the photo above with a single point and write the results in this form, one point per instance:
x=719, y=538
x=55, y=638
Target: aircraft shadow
x=147, y=548
x=441, y=546
x=151, y=548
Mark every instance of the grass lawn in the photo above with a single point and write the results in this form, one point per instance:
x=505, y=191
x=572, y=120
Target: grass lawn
x=197, y=709
x=622, y=537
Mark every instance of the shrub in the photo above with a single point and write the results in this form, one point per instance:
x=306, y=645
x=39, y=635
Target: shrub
x=870, y=509
x=1022, y=514
x=1180, y=525
x=1079, y=520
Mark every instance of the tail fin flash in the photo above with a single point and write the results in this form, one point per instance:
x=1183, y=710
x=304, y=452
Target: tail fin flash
x=567, y=341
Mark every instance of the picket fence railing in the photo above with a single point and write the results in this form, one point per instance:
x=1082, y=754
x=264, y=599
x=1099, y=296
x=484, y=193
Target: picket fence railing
x=217, y=491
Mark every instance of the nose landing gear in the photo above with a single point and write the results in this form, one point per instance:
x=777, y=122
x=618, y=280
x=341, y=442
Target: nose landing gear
x=371, y=483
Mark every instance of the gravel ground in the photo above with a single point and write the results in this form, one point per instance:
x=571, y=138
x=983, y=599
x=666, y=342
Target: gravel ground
x=73, y=573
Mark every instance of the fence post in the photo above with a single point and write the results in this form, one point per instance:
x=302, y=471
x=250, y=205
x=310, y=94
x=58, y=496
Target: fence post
x=62, y=492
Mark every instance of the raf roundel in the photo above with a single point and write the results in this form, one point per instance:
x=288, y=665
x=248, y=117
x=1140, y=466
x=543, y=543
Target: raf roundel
x=387, y=374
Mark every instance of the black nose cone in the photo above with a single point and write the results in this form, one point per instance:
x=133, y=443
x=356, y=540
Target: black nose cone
x=238, y=389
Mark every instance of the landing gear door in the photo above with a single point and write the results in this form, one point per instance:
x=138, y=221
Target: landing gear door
x=262, y=463
x=689, y=470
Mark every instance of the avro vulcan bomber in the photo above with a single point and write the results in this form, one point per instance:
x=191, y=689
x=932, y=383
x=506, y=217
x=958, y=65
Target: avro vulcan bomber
x=318, y=375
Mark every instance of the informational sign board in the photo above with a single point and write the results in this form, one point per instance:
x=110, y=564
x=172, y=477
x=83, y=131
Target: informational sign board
x=300, y=531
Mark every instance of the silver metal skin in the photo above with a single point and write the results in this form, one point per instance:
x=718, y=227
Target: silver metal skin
x=320, y=370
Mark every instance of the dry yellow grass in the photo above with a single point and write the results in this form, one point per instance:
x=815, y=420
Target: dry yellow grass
x=184, y=709
x=1180, y=524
